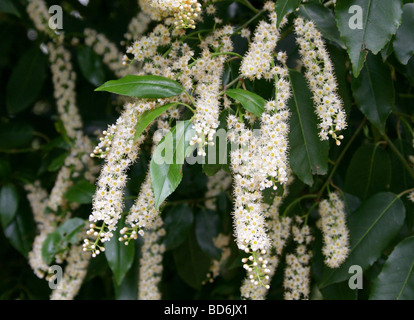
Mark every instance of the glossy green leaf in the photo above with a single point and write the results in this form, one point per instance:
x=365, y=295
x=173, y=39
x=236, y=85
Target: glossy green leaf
x=249, y=100
x=191, y=262
x=50, y=247
x=372, y=227
x=7, y=6
x=324, y=20
x=396, y=280
x=81, y=192
x=58, y=240
x=120, y=257
x=168, y=159
x=379, y=20
x=9, y=201
x=373, y=91
x=15, y=134
x=91, y=66
x=57, y=162
x=206, y=228
x=284, y=7
x=177, y=224
x=149, y=116
x=339, y=291
x=26, y=80
x=400, y=178
x=369, y=171
x=308, y=154
x=404, y=38
x=152, y=87
x=20, y=231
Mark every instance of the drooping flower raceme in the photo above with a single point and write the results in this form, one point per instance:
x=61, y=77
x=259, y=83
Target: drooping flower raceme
x=334, y=229
x=150, y=270
x=143, y=213
x=45, y=223
x=321, y=79
x=274, y=133
x=297, y=272
x=278, y=232
x=108, y=199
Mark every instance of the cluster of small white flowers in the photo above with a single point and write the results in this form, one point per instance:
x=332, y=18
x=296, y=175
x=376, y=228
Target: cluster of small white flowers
x=38, y=12
x=297, y=272
x=257, y=62
x=335, y=231
x=185, y=12
x=108, y=199
x=146, y=47
x=221, y=181
x=259, y=272
x=274, y=133
x=321, y=79
x=74, y=274
x=207, y=73
x=221, y=242
x=278, y=232
x=249, y=224
x=37, y=197
x=150, y=271
x=109, y=52
x=138, y=25
x=64, y=92
x=143, y=213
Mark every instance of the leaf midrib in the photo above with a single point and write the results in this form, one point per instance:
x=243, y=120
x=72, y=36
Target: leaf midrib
x=301, y=126
x=405, y=281
x=364, y=235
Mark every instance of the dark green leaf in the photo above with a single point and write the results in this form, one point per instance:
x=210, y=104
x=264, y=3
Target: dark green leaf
x=50, y=247
x=15, y=134
x=177, y=224
x=120, y=257
x=26, y=80
x=339, y=291
x=57, y=162
x=404, y=38
x=152, y=87
x=400, y=178
x=81, y=192
x=380, y=20
x=20, y=231
x=372, y=227
x=369, y=171
x=147, y=117
x=9, y=201
x=396, y=280
x=191, y=262
x=69, y=229
x=249, y=100
x=206, y=228
x=91, y=65
x=284, y=7
x=324, y=20
x=168, y=159
x=58, y=240
x=374, y=91
x=7, y=6
x=308, y=154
